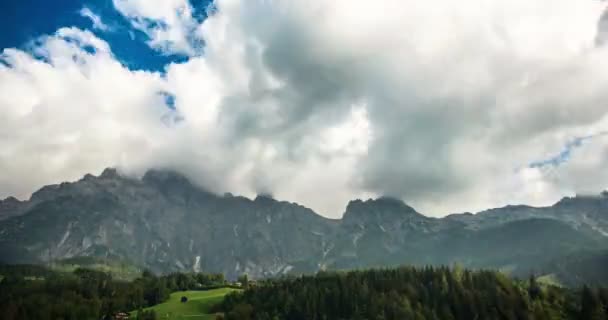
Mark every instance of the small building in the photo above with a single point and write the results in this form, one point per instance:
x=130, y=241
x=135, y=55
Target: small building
x=121, y=316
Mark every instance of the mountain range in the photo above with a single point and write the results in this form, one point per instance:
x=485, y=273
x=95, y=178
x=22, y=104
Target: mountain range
x=165, y=223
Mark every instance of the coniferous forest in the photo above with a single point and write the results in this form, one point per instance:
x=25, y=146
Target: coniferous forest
x=34, y=292
x=411, y=293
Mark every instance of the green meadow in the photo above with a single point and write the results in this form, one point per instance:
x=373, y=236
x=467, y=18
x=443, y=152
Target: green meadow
x=197, y=306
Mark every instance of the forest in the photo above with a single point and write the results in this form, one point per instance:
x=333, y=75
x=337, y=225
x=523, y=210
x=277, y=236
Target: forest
x=413, y=293
x=34, y=292
x=431, y=293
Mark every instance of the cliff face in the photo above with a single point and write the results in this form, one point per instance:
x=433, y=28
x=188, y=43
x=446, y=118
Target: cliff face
x=165, y=223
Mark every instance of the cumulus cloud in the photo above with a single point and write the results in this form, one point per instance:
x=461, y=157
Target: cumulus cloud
x=442, y=105
x=72, y=109
x=169, y=24
x=95, y=19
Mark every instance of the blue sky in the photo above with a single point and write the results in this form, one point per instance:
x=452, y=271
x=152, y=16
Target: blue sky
x=25, y=20
x=566, y=153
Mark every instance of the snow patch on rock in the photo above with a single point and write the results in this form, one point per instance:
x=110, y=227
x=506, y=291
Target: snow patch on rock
x=197, y=264
x=66, y=235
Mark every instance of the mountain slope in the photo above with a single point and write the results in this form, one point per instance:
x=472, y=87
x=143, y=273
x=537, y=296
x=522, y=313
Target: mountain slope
x=165, y=223
x=587, y=267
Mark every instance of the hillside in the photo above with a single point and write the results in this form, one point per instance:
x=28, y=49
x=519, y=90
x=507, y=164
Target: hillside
x=165, y=223
x=34, y=292
x=581, y=267
x=413, y=293
x=198, y=305
x=120, y=270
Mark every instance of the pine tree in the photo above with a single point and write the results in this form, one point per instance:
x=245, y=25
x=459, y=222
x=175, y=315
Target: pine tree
x=591, y=305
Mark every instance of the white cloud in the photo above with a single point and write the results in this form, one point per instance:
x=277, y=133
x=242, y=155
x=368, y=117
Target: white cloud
x=79, y=112
x=168, y=23
x=443, y=105
x=95, y=19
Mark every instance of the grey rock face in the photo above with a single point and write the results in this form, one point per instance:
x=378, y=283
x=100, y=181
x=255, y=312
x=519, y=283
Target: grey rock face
x=165, y=223
x=11, y=207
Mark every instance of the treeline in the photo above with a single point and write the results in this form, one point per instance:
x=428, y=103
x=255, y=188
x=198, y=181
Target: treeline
x=411, y=293
x=30, y=292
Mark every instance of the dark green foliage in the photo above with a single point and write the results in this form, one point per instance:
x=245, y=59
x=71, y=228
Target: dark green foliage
x=411, y=293
x=28, y=292
x=584, y=266
x=534, y=290
x=592, y=306
x=146, y=315
x=244, y=280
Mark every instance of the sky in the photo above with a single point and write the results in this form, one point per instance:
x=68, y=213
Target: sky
x=451, y=107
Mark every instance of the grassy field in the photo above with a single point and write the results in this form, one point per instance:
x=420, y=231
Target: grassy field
x=118, y=269
x=197, y=306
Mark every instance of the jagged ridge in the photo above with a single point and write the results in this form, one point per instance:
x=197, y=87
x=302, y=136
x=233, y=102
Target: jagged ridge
x=164, y=222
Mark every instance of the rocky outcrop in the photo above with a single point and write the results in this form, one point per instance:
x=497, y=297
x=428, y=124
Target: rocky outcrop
x=165, y=223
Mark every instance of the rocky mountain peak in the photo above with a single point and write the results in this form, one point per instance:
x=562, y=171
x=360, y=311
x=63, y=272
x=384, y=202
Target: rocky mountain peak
x=264, y=198
x=10, y=201
x=383, y=208
x=176, y=185
x=164, y=176
x=9, y=206
x=578, y=200
x=166, y=223
x=109, y=173
x=386, y=203
x=45, y=193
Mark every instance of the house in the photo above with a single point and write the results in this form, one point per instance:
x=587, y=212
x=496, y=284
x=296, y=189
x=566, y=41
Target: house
x=121, y=316
x=117, y=316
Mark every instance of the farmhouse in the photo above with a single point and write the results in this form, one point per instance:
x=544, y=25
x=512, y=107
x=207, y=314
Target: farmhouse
x=121, y=316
